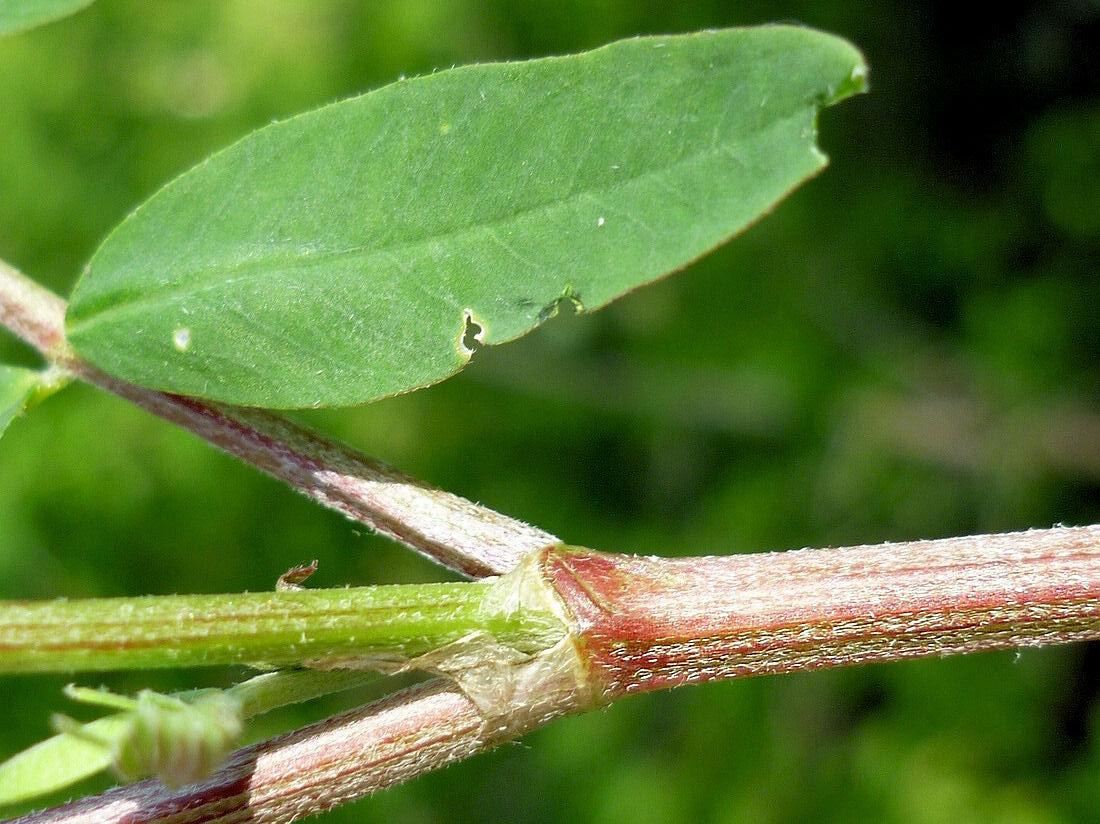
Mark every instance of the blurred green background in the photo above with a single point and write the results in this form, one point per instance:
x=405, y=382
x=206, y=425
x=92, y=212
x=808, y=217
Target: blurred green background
x=909, y=347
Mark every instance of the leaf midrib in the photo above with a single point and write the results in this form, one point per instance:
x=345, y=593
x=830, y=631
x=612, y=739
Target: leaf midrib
x=248, y=269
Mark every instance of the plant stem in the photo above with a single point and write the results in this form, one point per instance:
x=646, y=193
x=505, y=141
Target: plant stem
x=360, y=627
x=649, y=623
x=271, y=690
x=652, y=623
x=457, y=533
x=307, y=771
x=33, y=313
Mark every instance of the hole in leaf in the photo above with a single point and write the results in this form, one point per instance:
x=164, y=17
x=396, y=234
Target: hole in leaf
x=473, y=335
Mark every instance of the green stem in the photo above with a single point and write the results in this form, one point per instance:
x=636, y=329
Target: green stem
x=365, y=626
x=271, y=690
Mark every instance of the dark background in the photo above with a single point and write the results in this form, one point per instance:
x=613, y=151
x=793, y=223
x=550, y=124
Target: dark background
x=907, y=348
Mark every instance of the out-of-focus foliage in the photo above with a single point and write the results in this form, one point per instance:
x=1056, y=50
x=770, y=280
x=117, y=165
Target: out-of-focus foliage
x=19, y=15
x=908, y=347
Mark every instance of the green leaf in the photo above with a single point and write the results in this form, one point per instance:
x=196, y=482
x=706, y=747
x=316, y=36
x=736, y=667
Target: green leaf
x=20, y=389
x=18, y=15
x=60, y=761
x=178, y=738
x=357, y=251
x=201, y=724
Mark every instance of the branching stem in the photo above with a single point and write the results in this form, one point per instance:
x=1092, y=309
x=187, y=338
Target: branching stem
x=611, y=625
x=647, y=623
x=307, y=771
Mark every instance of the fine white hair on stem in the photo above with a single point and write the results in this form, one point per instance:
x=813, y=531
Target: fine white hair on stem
x=306, y=771
x=1048, y=582
x=457, y=533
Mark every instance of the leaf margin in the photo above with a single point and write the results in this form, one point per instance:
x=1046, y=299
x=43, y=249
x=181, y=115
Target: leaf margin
x=83, y=308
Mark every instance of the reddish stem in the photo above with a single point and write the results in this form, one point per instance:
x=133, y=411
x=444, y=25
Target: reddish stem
x=651, y=623
x=464, y=536
x=304, y=772
x=639, y=623
x=459, y=534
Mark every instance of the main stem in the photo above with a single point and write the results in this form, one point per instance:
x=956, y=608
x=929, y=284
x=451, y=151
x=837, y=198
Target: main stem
x=653, y=623
x=647, y=623
x=639, y=623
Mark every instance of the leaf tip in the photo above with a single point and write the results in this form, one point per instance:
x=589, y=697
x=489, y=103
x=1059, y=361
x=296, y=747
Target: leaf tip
x=17, y=16
x=855, y=83
x=21, y=389
x=856, y=80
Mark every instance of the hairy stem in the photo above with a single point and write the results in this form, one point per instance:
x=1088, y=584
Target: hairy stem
x=457, y=533
x=352, y=627
x=33, y=313
x=307, y=771
x=649, y=623
x=652, y=623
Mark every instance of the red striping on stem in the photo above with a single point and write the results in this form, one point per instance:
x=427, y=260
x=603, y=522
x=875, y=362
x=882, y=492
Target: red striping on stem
x=651, y=623
x=646, y=623
x=304, y=772
x=461, y=535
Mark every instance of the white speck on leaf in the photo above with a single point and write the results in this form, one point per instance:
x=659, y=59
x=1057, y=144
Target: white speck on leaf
x=599, y=221
x=181, y=338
